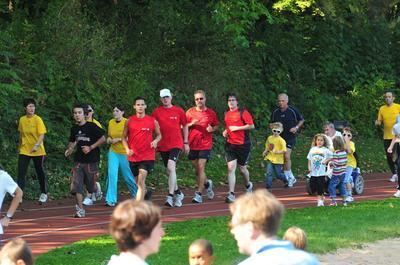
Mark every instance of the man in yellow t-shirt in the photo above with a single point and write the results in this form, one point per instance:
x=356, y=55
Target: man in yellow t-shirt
x=31, y=135
x=387, y=115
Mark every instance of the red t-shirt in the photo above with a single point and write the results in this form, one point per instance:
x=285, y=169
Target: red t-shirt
x=171, y=121
x=140, y=136
x=232, y=118
x=199, y=138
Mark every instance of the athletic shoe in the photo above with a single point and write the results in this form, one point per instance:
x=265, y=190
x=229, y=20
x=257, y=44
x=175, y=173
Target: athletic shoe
x=397, y=194
x=178, y=199
x=43, y=198
x=210, y=192
x=344, y=203
x=394, y=178
x=169, y=201
x=349, y=199
x=197, y=198
x=291, y=182
x=110, y=204
x=87, y=201
x=333, y=203
x=250, y=187
x=80, y=213
x=98, y=193
x=320, y=203
x=230, y=198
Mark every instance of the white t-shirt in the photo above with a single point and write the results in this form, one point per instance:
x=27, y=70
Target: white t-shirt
x=316, y=156
x=7, y=185
x=126, y=258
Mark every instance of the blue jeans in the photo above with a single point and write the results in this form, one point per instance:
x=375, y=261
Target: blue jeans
x=336, y=182
x=116, y=162
x=274, y=170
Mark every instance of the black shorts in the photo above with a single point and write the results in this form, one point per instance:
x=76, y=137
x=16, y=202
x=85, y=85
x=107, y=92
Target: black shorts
x=241, y=153
x=317, y=184
x=290, y=143
x=199, y=154
x=172, y=154
x=147, y=165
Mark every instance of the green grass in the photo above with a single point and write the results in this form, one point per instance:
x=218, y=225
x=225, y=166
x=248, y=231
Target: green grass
x=327, y=228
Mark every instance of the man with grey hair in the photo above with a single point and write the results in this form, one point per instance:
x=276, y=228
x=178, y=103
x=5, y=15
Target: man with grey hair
x=292, y=121
x=330, y=132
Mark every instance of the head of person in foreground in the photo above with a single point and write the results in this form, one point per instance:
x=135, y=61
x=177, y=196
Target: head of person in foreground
x=16, y=252
x=201, y=252
x=297, y=236
x=137, y=228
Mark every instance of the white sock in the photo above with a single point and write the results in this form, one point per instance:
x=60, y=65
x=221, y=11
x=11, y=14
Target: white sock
x=291, y=175
x=287, y=174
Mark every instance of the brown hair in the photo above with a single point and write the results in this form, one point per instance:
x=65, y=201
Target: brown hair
x=323, y=136
x=16, y=249
x=199, y=91
x=132, y=222
x=205, y=244
x=261, y=208
x=297, y=236
x=338, y=143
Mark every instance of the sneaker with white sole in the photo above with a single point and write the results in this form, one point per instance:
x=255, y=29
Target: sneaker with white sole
x=320, y=203
x=230, y=198
x=394, y=178
x=210, y=192
x=169, y=201
x=197, y=198
x=43, y=198
x=178, y=199
x=349, y=199
x=249, y=188
x=291, y=182
x=87, y=201
x=80, y=213
x=397, y=194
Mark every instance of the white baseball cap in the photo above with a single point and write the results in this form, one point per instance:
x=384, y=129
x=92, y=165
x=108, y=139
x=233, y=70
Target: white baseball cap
x=165, y=93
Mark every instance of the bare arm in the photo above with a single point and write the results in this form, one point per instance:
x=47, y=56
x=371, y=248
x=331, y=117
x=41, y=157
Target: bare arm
x=185, y=130
x=13, y=207
x=243, y=127
x=87, y=149
x=38, y=143
x=157, y=133
x=70, y=149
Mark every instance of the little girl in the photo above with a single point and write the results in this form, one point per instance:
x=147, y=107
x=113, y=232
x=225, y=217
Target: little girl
x=339, y=162
x=318, y=156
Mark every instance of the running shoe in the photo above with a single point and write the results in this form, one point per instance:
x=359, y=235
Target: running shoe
x=249, y=187
x=169, y=201
x=197, y=198
x=80, y=213
x=210, y=192
x=320, y=203
x=87, y=201
x=397, y=194
x=178, y=199
x=230, y=198
x=42, y=198
x=394, y=178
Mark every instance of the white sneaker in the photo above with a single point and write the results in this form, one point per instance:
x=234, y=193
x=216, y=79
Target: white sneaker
x=210, y=192
x=169, y=201
x=394, y=178
x=349, y=199
x=43, y=198
x=250, y=188
x=397, y=194
x=230, y=198
x=80, y=213
x=291, y=182
x=178, y=199
x=197, y=198
x=320, y=203
x=87, y=201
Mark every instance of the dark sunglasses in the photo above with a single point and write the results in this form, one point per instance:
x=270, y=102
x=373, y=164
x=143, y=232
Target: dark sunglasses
x=89, y=110
x=347, y=134
x=197, y=99
x=276, y=131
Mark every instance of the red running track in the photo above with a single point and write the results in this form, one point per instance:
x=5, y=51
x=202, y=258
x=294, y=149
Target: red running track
x=48, y=226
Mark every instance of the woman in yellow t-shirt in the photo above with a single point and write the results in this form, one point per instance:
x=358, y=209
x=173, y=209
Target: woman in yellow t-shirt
x=31, y=135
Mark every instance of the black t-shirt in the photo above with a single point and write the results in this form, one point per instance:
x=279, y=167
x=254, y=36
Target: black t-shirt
x=289, y=118
x=86, y=135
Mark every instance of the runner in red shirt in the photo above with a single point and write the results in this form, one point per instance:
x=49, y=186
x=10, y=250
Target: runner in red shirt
x=238, y=122
x=202, y=122
x=140, y=145
x=173, y=123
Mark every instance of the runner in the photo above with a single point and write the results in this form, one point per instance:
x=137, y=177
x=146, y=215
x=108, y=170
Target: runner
x=202, y=122
x=87, y=137
x=173, y=124
x=31, y=135
x=139, y=144
x=117, y=158
x=237, y=124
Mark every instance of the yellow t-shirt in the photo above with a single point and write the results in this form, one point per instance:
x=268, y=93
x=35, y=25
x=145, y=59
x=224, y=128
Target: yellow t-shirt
x=115, y=130
x=97, y=123
x=351, y=160
x=275, y=144
x=387, y=115
x=30, y=128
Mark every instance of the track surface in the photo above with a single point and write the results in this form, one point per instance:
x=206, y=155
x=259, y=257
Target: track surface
x=46, y=227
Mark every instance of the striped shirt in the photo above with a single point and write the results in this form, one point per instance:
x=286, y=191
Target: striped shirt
x=339, y=161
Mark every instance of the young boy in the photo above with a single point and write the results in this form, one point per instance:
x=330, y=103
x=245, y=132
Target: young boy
x=201, y=252
x=275, y=148
x=87, y=137
x=297, y=236
x=351, y=161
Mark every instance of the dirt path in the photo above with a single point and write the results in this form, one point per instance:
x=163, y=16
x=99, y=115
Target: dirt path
x=381, y=252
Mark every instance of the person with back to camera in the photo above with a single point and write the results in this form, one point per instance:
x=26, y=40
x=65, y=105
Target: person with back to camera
x=318, y=157
x=31, y=137
x=255, y=222
x=238, y=122
x=117, y=157
x=136, y=227
x=292, y=121
x=275, y=148
x=339, y=164
x=201, y=252
x=297, y=236
x=394, y=144
x=16, y=252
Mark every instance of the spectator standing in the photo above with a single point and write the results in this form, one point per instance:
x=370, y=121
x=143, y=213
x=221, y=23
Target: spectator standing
x=202, y=122
x=330, y=132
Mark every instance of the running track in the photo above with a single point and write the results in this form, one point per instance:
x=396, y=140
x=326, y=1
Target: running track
x=49, y=226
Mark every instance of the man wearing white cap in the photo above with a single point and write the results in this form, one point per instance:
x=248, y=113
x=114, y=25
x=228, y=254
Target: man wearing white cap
x=174, y=131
